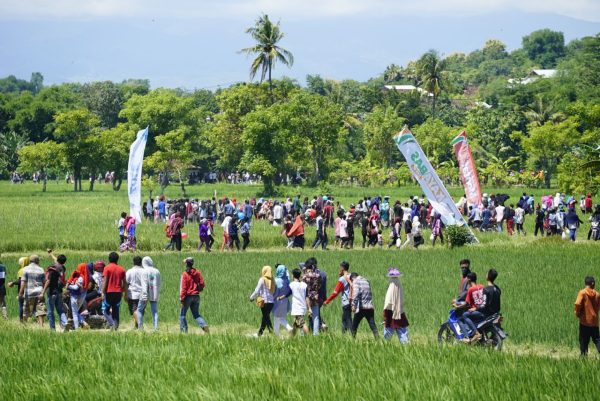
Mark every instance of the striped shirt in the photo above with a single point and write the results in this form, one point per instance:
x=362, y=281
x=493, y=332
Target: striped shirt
x=361, y=293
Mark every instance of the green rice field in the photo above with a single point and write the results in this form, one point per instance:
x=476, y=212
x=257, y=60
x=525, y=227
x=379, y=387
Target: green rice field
x=539, y=280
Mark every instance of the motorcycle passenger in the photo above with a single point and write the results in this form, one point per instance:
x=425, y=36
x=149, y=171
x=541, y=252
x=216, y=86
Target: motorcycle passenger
x=490, y=306
x=473, y=300
x=465, y=269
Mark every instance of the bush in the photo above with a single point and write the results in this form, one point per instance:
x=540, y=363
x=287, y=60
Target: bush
x=458, y=236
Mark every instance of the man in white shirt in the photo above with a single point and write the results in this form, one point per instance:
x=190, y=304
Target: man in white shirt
x=299, y=302
x=133, y=277
x=499, y=216
x=149, y=292
x=277, y=214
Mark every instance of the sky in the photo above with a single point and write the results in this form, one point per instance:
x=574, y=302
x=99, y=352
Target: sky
x=195, y=44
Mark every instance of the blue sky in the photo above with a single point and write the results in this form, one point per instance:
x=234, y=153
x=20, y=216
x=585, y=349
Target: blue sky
x=194, y=44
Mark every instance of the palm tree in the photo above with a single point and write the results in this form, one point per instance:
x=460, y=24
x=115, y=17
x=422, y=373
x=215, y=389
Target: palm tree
x=430, y=70
x=392, y=73
x=541, y=112
x=266, y=34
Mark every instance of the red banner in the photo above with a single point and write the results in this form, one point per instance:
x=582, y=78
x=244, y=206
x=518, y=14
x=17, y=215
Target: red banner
x=468, y=171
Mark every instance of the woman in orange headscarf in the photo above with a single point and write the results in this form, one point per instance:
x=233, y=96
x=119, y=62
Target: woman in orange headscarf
x=77, y=285
x=297, y=232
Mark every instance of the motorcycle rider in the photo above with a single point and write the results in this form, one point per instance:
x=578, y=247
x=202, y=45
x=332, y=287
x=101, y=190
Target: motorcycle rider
x=473, y=299
x=594, y=223
x=490, y=306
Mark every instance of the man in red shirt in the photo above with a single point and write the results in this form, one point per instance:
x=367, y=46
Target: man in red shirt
x=114, y=286
x=473, y=300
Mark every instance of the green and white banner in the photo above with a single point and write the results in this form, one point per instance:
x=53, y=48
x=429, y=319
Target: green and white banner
x=432, y=186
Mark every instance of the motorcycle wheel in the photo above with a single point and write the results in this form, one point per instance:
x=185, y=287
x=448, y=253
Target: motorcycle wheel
x=445, y=334
x=494, y=340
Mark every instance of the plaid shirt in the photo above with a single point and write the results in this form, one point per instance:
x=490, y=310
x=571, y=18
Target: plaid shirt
x=313, y=283
x=361, y=294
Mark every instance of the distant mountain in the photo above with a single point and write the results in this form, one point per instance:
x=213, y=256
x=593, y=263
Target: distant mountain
x=203, y=53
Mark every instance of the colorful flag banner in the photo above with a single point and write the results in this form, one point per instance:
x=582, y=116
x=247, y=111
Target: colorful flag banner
x=134, y=174
x=468, y=171
x=430, y=183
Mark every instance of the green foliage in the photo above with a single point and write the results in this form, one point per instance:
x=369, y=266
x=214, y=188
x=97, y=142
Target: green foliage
x=544, y=47
x=458, y=236
x=379, y=129
x=43, y=157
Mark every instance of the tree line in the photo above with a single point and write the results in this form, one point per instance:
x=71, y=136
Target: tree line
x=531, y=130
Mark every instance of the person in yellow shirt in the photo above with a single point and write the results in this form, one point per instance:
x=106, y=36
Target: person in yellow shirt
x=24, y=261
x=587, y=306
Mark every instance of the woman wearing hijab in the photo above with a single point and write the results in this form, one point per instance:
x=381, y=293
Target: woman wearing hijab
x=297, y=232
x=572, y=221
x=417, y=232
x=263, y=294
x=395, y=320
x=281, y=304
x=77, y=286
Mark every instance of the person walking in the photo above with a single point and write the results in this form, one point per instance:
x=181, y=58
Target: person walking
x=23, y=262
x=77, y=286
x=281, y=302
x=245, y=231
x=539, y=221
x=312, y=278
x=362, y=304
x=192, y=284
x=149, y=292
x=32, y=290
x=203, y=234
x=587, y=306
x=3, y=291
x=134, y=278
x=53, y=287
x=395, y=320
x=520, y=219
x=175, y=226
x=263, y=295
x=344, y=287
x=321, y=237
x=299, y=303
x=572, y=222
x=114, y=286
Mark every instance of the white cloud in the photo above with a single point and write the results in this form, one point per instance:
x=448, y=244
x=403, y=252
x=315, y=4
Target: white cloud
x=288, y=9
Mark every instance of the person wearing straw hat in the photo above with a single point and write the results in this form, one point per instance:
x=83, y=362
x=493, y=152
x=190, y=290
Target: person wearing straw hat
x=395, y=320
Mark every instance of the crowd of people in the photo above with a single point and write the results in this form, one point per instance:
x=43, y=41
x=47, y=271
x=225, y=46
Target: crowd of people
x=371, y=222
x=99, y=288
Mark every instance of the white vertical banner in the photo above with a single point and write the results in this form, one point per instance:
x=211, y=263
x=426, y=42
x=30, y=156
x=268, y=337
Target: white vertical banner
x=432, y=186
x=134, y=174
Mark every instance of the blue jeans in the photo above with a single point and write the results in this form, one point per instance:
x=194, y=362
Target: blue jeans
x=142, y=307
x=191, y=302
x=55, y=302
x=316, y=320
x=499, y=227
x=402, y=334
x=469, y=317
x=572, y=232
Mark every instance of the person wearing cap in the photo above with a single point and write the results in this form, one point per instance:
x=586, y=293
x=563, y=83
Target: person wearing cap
x=362, y=304
x=587, y=306
x=395, y=320
x=191, y=285
x=32, y=290
x=149, y=293
x=114, y=286
x=203, y=235
x=344, y=287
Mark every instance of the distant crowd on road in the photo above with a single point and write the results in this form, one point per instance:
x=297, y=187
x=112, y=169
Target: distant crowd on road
x=371, y=222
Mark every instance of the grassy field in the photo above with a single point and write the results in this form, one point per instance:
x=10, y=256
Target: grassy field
x=539, y=279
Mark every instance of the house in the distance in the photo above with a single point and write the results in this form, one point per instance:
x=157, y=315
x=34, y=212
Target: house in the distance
x=534, y=75
x=406, y=89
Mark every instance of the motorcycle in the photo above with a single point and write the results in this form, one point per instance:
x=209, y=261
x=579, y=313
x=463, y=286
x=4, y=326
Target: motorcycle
x=492, y=334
